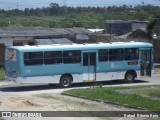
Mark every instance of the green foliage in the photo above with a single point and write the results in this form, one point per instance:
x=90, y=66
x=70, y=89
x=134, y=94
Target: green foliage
x=56, y=16
x=110, y=94
x=2, y=73
x=3, y=22
x=89, y=17
x=154, y=26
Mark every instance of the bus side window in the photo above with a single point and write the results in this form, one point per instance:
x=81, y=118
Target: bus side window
x=131, y=54
x=33, y=58
x=85, y=59
x=103, y=55
x=73, y=56
x=116, y=55
x=53, y=57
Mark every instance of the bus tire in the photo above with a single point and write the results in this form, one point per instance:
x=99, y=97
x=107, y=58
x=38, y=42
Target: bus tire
x=65, y=81
x=129, y=77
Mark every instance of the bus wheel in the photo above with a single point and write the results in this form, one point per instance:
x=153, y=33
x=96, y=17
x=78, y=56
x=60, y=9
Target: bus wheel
x=65, y=81
x=129, y=77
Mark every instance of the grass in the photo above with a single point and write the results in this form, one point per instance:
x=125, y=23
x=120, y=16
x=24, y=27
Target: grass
x=2, y=74
x=110, y=94
x=152, y=93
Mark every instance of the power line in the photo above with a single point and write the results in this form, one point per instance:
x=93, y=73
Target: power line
x=65, y=6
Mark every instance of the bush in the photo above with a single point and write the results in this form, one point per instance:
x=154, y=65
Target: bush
x=2, y=73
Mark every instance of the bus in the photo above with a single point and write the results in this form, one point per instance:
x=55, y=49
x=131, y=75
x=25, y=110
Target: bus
x=76, y=63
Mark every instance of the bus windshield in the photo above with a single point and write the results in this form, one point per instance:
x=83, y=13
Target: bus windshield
x=10, y=55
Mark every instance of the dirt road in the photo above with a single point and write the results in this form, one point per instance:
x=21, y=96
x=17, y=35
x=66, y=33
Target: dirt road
x=46, y=98
x=49, y=98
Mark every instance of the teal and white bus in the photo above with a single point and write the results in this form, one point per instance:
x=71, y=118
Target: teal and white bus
x=67, y=64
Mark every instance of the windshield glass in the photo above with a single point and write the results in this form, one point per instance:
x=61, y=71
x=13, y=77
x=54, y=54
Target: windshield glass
x=10, y=55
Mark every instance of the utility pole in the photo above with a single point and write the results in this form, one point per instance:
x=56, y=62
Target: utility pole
x=17, y=5
x=110, y=27
x=65, y=6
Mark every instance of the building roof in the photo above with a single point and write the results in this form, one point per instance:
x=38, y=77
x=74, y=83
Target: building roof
x=96, y=30
x=125, y=21
x=27, y=31
x=53, y=41
x=39, y=31
x=78, y=30
x=138, y=34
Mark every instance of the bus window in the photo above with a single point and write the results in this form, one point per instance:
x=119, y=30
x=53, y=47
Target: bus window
x=116, y=54
x=85, y=59
x=103, y=55
x=53, y=57
x=33, y=58
x=73, y=56
x=10, y=55
x=89, y=59
x=131, y=54
x=92, y=59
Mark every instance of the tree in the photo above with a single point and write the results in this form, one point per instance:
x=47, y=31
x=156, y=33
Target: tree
x=31, y=11
x=54, y=7
x=154, y=27
x=26, y=11
x=38, y=12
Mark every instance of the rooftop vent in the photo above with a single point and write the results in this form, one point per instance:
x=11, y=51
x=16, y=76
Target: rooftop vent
x=131, y=41
x=26, y=45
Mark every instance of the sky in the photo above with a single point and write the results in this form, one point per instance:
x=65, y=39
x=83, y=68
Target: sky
x=21, y=4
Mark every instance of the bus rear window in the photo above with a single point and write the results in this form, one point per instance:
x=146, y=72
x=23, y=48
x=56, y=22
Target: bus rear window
x=10, y=55
x=33, y=58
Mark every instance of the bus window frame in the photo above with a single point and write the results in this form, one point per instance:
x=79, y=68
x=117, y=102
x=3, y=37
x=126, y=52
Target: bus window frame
x=36, y=61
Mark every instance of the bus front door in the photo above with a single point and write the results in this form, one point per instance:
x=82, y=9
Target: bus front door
x=145, y=65
x=89, y=67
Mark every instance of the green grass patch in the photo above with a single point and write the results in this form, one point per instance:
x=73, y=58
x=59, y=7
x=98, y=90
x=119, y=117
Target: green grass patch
x=2, y=74
x=152, y=93
x=111, y=94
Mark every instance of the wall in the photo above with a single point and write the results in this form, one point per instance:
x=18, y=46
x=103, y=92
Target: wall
x=2, y=53
x=22, y=40
x=156, y=45
x=7, y=41
x=118, y=28
x=139, y=25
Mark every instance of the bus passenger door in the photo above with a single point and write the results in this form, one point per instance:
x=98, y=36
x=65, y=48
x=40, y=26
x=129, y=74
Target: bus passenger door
x=145, y=56
x=89, y=67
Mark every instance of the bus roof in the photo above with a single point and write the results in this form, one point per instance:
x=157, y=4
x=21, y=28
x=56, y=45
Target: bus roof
x=94, y=46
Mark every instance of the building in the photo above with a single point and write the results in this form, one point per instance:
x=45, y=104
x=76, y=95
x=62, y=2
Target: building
x=121, y=27
x=37, y=35
x=156, y=46
x=98, y=31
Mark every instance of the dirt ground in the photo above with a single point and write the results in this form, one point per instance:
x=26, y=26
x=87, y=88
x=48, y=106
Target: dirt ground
x=51, y=100
x=44, y=99
x=157, y=70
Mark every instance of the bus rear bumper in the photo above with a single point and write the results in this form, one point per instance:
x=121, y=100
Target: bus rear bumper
x=9, y=78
